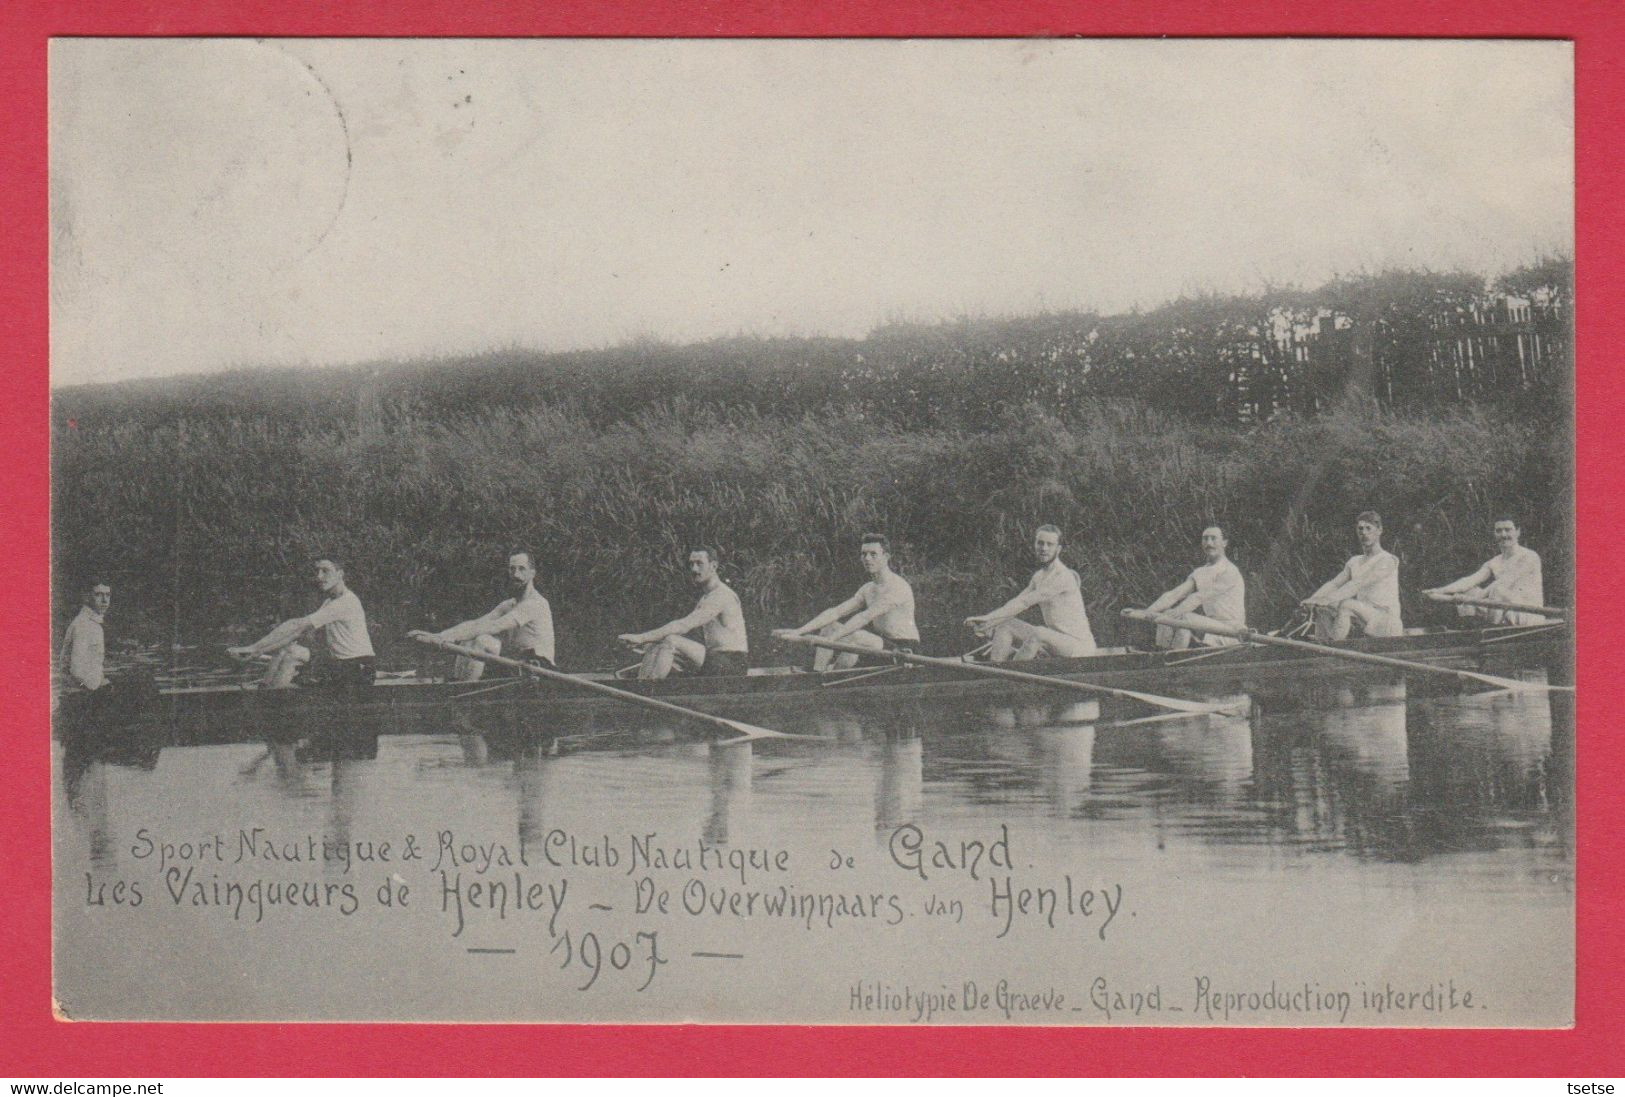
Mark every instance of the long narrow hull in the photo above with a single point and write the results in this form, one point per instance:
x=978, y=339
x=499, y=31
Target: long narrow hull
x=1170, y=672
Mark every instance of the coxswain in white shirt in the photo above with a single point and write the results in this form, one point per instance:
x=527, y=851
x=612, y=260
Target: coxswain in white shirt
x=523, y=624
x=84, y=647
x=1213, y=594
x=343, y=624
x=880, y=616
x=1364, y=593
x=722, y=649
x=1512, y=575
x=1056, y=591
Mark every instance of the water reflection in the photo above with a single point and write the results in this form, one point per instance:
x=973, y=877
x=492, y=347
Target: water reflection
x=1361, y=766
x=535, y=785
x=730, y=770
x=88, y=769
x=1338, y=769
x=900, y=792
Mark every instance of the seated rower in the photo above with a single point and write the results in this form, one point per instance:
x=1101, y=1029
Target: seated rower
x=1512, y=575
x=1213, y=594
x=343, y=624
x=1056, y=591
x=84, y=645
x=880, y=616
x=526, y=620
x=1365, y=592
x=719, y=617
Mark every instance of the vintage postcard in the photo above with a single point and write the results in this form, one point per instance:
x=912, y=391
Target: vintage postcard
x=847, y=532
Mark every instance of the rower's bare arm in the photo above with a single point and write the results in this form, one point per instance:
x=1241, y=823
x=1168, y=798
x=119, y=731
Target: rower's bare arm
x=1192, y=603
x=1461, y=586
x=1013, y=608
x=275, y=640
x=1384, y=569
x=828, y=617
x=862, y=620
x=1169, y=597
x=1329, y=592
x=700, y=616
x=489, y=625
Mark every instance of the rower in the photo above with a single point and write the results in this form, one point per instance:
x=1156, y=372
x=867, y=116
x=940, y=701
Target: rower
x=84, y=646
x=1512, y=575
x=526, y=620
x=1365, y=592
x=1213, y=594
x=344, y=626
x=1055, y=590
x=717, y=614
x=880, y=616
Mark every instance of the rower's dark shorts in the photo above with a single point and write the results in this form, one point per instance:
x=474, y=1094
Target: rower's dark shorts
x=339, y=674
x=904, y=646
x=541, y=661
x=724, y=664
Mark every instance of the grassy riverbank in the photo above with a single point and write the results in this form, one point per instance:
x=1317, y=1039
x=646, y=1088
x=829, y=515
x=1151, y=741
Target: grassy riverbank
x=204, y=521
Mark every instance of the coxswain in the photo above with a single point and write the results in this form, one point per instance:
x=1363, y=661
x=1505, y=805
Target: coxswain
x=1364, y=593
x=880, y=616
x=719, y=617
x=1055, y=590
x=343, y=624
x=84, y=647
x=1511, y=575
x=1213, y=594
x=522, y=623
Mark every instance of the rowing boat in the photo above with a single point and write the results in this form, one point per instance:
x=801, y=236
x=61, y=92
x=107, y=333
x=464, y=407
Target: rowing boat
x=1217, y=669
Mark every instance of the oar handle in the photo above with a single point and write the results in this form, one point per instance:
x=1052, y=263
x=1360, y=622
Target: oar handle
x=1553, y=612
x=1256, y=637
x=748, y=730
x=1239, y=632
x=1195, y=707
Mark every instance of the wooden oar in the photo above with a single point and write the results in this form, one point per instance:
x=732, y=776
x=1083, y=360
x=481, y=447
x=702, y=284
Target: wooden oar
x=1175, y=703
x=1539, y=611
x=742, y=730
x=1255, y=637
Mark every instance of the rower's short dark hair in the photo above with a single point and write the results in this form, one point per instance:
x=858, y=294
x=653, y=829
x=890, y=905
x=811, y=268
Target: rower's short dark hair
x=876, y=539
x=1049, y=527
x=1505, y=516
x=336, y=561
x=525, y=552
x=710, y=550
x=93, y=582
x=1369, y=516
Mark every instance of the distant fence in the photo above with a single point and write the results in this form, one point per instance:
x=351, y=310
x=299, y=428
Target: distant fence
x=1228, y=360
x=1505, y=348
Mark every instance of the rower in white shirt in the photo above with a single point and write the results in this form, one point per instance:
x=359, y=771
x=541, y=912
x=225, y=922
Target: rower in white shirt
x=1512, y=575
x=880, y=616
x=719, y=617
x=84, y=646
x=1056, y=590
x=524, y=622
x=343, y=624
x=1213, y=594
x=1365, y=592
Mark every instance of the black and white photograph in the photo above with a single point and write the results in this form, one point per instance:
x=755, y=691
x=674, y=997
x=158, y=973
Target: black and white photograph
x=858, y=532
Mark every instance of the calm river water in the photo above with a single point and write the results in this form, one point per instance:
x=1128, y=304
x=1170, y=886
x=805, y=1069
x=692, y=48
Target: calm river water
x=1357, y=850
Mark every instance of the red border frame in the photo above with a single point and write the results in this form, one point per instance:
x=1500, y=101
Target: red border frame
x=32, y=1042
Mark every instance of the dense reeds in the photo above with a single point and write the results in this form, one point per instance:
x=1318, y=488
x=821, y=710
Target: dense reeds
x=205, y=521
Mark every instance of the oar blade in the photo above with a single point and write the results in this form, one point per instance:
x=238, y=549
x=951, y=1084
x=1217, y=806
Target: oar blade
x=1189, y=708
x=1517, y=684
x=747, y=732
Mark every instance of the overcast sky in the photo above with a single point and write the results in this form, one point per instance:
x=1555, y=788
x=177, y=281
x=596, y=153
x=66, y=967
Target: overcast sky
x=219, y=203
